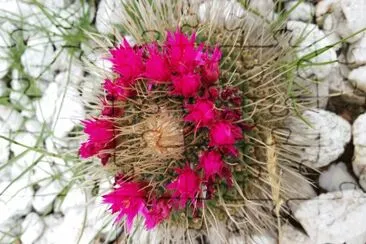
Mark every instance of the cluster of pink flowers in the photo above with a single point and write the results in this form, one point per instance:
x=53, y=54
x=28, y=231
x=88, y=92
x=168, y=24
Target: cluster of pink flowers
x=191, y=72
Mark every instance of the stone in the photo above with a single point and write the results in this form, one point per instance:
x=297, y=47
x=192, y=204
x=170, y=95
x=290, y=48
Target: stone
x=51, y=234
x=109, y=14
x=346, y=17
x=33, y=126
x=38, y=56
x=16, y=199
x=358, y=78
x=290, y=235
x=32, y=228
x=76, y=197
x=309, y=39
x=328, y=217
x=10, y=231
x=337, y=178
x=320, y=140
x=302, y=11
x=4, y=144
x=356, y=54
x=11, y=117
x=359, y=141
x=45, y=196
x=70, y=112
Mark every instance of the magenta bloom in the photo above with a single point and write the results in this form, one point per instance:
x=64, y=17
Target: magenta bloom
x=186, y=85
x=186, y=186
x=183, y=55
x=157, y=66
x=210, y=69
x=212, y=164
x=128, y=199
x=159, y=211
x=127, y=61
x=202, y=113
x=101, y=136
x=224, y=135
x=118, y=89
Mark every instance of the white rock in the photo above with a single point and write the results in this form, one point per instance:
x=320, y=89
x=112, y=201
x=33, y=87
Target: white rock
x=358, y=78
x=38, y=55
x=45, y=196
x=62, y=108
x=328, y=217
x=33, y=126
x=264, y=7
x=262, y=239
x=10, y=231
x=74, y=228
x=5, y=42
x=290, y=235
x=76, y=197
x=11, y=117
x=304, y=11
x=4, y=90
x=55, y=4
x=70, y=112
x=356, y=54
x=322, y=140
x=346, y=17
x=15, y=200
x=110, y=12
x=228, y=13
x=25, y=157
x=310, y=39
x=43, y=172
x=51, y=233
x=4, y=144
x=46, y=106
x=337, y=178
x=32, y=228
x=359, y=141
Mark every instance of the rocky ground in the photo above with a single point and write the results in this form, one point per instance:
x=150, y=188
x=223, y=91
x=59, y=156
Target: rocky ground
x=43, y=53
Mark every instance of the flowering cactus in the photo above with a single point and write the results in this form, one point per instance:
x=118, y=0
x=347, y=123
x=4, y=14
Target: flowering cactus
x=185, y=120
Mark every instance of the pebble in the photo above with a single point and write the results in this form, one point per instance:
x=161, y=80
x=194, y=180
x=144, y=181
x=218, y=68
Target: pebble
x=109, y=14
x=309, y=38
x=303, y=11
x=11, y=117
x=337, y=178
x=45, y=196
x=32, y=228
x=321, y=140
x=16, y=199
x=328, y=217
x=358, y=78
x=356, y=54
x=359, y=141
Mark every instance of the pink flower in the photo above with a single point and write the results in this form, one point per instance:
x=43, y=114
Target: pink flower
x=127, y=61
x=186, y=186
x=101, y=136
x=224, y=136
x=128, y=199
x=159, y=211
x=118, y=89
x=202, y=112
x=183, y=55
x=157, y=65
x=210, y=69
x=212, y=164
x=186, y=85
